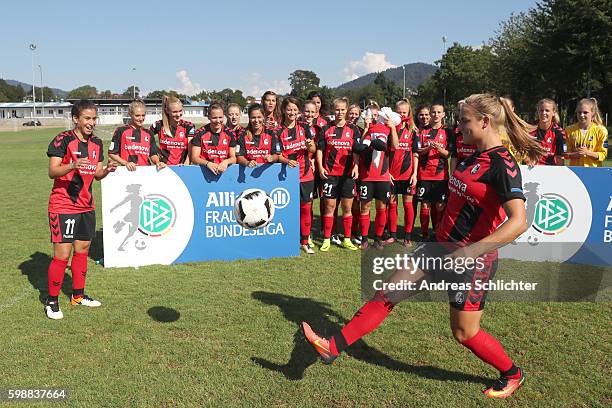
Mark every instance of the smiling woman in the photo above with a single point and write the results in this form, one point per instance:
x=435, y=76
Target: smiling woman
x=75, y=159
x=132, y=145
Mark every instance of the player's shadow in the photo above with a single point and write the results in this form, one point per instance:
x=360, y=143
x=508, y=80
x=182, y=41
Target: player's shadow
x=36, y=268
x=96, y=250
x=321, y=316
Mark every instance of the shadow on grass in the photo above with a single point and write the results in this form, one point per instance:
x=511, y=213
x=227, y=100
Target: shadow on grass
x=36, y=268
x=320, y=315
x=96, y=250
x=163, y=314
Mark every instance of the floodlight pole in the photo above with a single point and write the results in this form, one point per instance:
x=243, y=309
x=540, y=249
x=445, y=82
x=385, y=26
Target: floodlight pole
x=33, y=48
x=42, y=93
x=444, y=39
x=404, y=88
x=134, y=84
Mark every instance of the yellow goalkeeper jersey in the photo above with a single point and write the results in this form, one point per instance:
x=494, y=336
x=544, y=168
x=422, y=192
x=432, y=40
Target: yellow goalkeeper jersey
x=595, y=139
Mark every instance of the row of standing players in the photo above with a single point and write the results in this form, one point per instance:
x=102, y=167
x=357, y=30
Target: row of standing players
x=377, y=161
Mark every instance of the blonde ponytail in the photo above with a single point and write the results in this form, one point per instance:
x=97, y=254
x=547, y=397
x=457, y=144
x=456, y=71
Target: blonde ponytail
x=504, y=120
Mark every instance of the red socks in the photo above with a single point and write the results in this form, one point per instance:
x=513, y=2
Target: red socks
x=380, y=221
x=392, y=218
x=368, y=318
x=364, y=222
x=305, y=222
x=328, y=223
x=55, y=276
x=79, y=270
x=424, y=220
x=347, y=223
x=489, y=350
x=408, y=217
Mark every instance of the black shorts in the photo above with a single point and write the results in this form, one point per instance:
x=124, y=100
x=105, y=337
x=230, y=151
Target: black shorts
x=307, y=191
x=67, y=228
x=380, y=190
x=432, y=191
x=467, y=293
x=402, y=187
x=335, y=187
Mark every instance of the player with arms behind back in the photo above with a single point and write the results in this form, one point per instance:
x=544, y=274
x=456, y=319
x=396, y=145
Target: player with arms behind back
x=75, y=160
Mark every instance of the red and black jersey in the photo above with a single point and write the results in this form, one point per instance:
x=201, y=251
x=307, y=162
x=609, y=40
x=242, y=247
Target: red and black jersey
x=293, y=146
x=432, y=166
x=551, y=139
x=214, y=147
x=135, y=145
x=321, y=121
x=237, y=133
x=274, y=128
x=261, y=145
x=401, y=158
x=374, y=160
x=479, y=187
x=174, y=148
x=337, y=144
x=71, y=193
x=460, y=150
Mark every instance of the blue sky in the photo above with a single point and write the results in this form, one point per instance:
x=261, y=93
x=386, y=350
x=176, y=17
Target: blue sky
x=253, y=46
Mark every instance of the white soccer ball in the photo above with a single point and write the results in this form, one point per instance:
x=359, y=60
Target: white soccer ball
x=253, y=209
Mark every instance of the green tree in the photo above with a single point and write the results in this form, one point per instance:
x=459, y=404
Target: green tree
x=9, y=93
x=390, y=91
x=129, y=93
x=159, y=94
x=463, y=71
x=302, y=82
x=46, y=93
x=83, y=92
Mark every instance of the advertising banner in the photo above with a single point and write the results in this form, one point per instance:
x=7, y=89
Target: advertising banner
x=185, y=214
x=569, y=214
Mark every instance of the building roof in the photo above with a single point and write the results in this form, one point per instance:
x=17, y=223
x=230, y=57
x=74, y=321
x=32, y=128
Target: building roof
x=38, y=105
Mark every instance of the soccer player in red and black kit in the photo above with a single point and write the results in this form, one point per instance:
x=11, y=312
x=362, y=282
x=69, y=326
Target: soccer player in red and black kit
x=337, y=160
x=549, y=134
x=271, y=109
x=485, y=189
x=374, y=177
x=404, y=161
x=258, y=145
x=459, y=150
x=319, y=103
x=174, y=133
x=297, y=146
x=234, y=114
x=132, y=145
x=432, y=174
x=75, y=159
x=214, y=145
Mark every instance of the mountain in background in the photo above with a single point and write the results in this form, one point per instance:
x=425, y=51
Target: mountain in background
x=60, y=93
x=416, y=74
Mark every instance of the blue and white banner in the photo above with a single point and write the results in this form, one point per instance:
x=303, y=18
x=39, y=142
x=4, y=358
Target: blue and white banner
x=185, y=214
x=569, y=213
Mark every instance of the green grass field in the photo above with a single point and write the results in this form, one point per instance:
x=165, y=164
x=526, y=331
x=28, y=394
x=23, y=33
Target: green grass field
x=236, y=340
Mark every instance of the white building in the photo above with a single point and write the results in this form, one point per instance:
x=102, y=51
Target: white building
x=25, y=110
x=110, y=111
